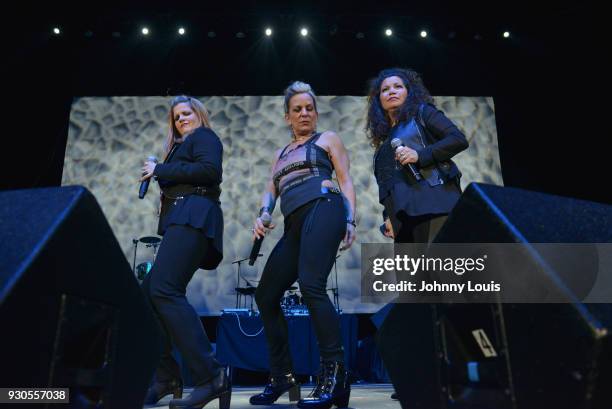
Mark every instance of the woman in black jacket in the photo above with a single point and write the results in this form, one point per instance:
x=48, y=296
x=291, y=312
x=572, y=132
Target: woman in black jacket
x=191, y=222
x=418, y=182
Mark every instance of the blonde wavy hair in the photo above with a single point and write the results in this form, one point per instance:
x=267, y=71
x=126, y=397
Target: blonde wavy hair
x=173, y=134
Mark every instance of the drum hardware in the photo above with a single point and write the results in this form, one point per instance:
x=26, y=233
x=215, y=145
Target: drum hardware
x=248, y=291
x=142, y=269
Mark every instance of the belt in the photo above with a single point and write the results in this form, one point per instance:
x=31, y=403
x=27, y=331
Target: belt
x=213, y=193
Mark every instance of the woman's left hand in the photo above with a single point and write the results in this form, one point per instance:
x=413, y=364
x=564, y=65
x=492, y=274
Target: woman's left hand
x=406, y=155
x=147, y=170
x=349, y=237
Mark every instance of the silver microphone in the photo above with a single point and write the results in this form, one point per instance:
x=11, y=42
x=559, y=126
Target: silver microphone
x=396, y=143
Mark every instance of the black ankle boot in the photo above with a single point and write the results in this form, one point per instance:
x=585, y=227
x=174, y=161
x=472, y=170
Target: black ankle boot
x=160, y=389
x=332, y=388
x=218, y=387
x=277, y=386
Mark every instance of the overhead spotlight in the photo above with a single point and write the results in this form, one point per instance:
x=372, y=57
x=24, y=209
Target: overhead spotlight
x=240, y=34
x=181, y=31
x=423, y=34
x=359, y=35
x=388, y=32
x=56, y=31
x=506, y=34
x=304, y=32
x=145, y=31
x=268, y=31
x=212, y=34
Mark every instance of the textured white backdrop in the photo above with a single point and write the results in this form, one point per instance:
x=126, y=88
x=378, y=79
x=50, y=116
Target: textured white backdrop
x=109, y=137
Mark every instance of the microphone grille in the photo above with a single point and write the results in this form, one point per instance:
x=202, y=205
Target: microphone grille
x=396, y=143
x=266, y=219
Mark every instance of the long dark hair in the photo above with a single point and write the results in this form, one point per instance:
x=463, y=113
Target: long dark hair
x=378, y=122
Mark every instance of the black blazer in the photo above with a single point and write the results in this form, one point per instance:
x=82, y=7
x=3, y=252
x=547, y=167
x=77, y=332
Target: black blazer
x=195, y=162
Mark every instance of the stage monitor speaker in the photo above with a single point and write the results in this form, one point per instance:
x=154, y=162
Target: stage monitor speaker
x=71, y=310
x=506, y=356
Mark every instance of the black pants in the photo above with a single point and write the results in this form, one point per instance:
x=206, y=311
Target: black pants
x=306, y=252
x=177, y=260
x=419, y=229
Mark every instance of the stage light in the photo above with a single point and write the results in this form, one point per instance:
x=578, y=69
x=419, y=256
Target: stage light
x=240, y=34
x=388, y=32
x=506, y=34
x=304, y=32
x=56, y=31
x=181, y=31
x=423, y=34
x=145, y=31
x=268, y=31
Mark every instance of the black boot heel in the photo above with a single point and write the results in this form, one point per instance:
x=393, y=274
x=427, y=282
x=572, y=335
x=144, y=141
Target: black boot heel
x=218, y=387
x=343, y=400
x=158, y=390
x=276, y=388
x=332, y=388
x=224, y=400
x=295, y=393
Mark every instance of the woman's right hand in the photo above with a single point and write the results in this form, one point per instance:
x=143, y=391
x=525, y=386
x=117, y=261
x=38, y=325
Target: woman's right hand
x=389, y=229
x=259, y=230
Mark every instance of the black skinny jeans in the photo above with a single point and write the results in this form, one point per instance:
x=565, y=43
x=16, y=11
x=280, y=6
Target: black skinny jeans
x=178, y=258
x=306, y=252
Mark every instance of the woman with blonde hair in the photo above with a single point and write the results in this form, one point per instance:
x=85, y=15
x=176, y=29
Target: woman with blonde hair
x=191, y=222
x=318, y=217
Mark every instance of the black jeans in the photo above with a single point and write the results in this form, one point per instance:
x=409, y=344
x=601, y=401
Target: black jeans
x=306, y=252
x=177, y=260
x=419, y=229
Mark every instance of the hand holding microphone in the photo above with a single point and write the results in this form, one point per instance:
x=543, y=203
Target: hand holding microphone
x=262, y=223
x=147, y=172
x=407, y=157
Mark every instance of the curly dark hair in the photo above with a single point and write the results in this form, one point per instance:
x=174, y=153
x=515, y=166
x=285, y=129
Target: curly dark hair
x=378, y=124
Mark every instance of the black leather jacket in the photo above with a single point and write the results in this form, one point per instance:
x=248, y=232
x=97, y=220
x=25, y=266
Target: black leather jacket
x=441, y=140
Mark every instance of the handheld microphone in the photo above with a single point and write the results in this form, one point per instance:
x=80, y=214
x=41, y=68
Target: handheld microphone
x=266, y=219
x=396, y=143
x=144, y=185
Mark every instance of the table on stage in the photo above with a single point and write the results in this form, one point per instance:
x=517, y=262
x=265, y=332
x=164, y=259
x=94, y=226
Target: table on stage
x=241, y=342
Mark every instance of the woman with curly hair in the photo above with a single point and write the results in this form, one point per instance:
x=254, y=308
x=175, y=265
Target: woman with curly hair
x=418, y=183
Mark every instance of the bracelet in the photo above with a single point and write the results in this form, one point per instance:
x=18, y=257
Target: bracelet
x=349, y=221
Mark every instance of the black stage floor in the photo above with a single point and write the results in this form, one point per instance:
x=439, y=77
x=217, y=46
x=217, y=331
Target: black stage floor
x=363, y=396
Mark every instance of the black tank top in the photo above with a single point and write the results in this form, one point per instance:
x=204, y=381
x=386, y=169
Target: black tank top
x=299, y=172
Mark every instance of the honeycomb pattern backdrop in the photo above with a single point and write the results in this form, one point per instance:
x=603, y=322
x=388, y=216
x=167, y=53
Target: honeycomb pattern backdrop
x=109, y=137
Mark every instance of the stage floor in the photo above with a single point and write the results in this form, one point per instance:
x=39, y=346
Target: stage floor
x=363, y=396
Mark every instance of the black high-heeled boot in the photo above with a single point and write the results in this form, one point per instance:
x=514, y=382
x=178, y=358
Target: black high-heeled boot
x=332, y=388
x=277, y=386
x=161, y=389
x=218, y=387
